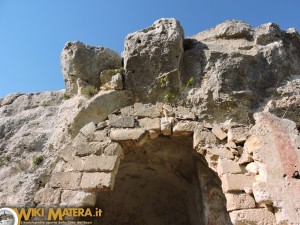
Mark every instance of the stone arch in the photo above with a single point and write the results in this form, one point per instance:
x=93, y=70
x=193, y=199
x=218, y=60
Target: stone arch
x=164, y=181
x=91, y=165
x=192, y=190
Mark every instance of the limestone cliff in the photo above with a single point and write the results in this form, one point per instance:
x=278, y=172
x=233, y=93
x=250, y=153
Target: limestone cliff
x=179, y=130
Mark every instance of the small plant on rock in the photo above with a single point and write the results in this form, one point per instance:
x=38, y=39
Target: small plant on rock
x=190, y=82
x=66, y=96
x=169, y=97
x=120, y=70
x=89, y=91
x=37, y=160
x=111, y=72
x=46, y=104
x=164, y=81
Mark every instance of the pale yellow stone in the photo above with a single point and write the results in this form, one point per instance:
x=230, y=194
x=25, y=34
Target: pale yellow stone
x=228, y=166
x=259, y=216
x=236, y=182
x=239, y=201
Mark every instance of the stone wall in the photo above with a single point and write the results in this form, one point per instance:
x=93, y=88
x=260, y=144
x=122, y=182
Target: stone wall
x=234, y=161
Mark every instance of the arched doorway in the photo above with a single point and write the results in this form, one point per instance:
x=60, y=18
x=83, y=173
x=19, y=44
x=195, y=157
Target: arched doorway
x=164, y=182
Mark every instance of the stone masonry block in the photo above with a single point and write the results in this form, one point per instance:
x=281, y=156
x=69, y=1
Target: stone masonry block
x=150, y=124
x=102, y=163
x=75, y=164
x=127, y=134
x=85, y=149
x=236, y=182
x=253, y=216
x=114, y=149
x=47, y=196
x=228, y=166
x=77, y=199
x=239, y=201
x=88, y=129
x=121, y=121
x=67, y=180
x=186, y=127
x=100, y=135
x=97, y=181
x=184, y=113
x=146, y=110
x=220, y=153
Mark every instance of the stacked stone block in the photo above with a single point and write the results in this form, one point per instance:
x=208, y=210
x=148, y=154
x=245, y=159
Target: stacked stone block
x=91, y=163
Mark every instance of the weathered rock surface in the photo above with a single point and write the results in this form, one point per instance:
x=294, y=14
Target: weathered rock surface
x=86, y=62
x=31, y=126
x=159, y=48
x=277, y=149
x=234, y=67
x=98, y=108
x=285, y=100
x=204, y=158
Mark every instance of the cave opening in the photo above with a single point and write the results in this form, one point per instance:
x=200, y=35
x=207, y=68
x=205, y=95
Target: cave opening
x=164, y=182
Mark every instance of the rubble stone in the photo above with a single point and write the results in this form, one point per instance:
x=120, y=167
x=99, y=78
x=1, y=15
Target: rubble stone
x=166, y=124
x=238, y=134
x=220, y=134
x=203, y=137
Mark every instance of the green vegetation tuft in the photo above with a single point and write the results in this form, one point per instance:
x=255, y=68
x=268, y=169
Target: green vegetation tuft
x=46, y=104
x=169, y=97
x=66, y=96
x=120, y=70
x=190, y=82
x=89, y=91
x=37, y=160
x=164, y=81
x=112, y=72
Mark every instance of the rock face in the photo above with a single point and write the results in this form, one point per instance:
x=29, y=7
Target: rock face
x=31, y=126
x=235, y=68
x=85, y=62
x=202, y=130
x=277, y=144
x=159, y=48
x=286, y=100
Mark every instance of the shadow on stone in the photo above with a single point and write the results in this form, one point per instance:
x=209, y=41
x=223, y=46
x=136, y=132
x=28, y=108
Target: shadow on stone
x=159, y=183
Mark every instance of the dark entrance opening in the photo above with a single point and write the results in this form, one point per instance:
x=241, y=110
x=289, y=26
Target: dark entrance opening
x=158, y=184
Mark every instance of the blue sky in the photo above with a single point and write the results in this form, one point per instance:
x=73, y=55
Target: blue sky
x=33, y=32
